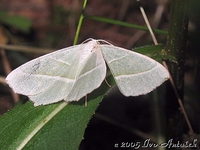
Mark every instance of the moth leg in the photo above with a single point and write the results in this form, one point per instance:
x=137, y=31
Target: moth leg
x=107, y=83
x=86, y=103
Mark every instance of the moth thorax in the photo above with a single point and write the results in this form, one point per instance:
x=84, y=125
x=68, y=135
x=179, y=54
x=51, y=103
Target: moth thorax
x=86, y=52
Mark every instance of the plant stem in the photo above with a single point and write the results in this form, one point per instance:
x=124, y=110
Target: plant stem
x=175, y=46
x=80, y=23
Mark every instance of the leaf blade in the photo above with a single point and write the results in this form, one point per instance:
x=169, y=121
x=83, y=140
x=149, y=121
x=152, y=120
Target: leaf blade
x=64, y=130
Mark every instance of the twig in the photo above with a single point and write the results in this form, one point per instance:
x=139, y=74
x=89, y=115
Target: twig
x=179, y=101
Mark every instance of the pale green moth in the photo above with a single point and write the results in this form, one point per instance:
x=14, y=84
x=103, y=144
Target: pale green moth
x=71, y=73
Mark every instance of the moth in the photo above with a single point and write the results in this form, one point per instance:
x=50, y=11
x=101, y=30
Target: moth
x=71, y=73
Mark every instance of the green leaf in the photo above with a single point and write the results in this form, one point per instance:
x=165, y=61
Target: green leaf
x=125, y=24
x=21, y=23
x=56, y=126
x=156, y=52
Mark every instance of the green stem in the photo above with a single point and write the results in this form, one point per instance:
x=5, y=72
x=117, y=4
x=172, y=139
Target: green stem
x=177, y=38
x=79, y=24
x=175, y=46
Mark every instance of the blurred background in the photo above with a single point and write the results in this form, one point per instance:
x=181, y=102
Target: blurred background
x=51, y=25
